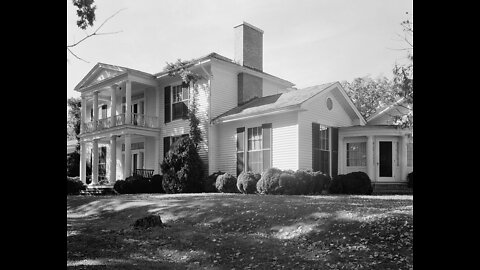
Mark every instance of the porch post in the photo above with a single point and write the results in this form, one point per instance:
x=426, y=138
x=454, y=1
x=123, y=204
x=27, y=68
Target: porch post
x=157, y=155
x=83, y=167
x=95, y=110
x=113, y=159
x=128, y=97
x=403, y=157
x=370, y=160
x=95, y=162
x=157, y=105
x=127, y=169
x=83, y=113
x=113, y=108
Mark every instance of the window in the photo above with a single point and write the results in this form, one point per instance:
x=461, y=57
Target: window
x=409, y=154
x=102, y=162
x=329, y=104
x=356, y=154
x=258, y=148
x=254, y=154
x=321, y=148
x=180, y=99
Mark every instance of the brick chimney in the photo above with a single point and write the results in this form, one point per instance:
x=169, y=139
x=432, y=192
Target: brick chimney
x=249, y=53
x=249, y=46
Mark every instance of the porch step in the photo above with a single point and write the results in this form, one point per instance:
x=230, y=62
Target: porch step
x=391, y=188
x=99, y=190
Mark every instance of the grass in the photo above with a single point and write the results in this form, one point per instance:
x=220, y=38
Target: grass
x=236, y=231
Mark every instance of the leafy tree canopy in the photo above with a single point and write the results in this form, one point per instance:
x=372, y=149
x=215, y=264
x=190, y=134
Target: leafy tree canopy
x=85, y=12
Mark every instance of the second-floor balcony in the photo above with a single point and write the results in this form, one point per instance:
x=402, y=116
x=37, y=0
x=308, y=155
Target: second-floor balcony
x=140, y=120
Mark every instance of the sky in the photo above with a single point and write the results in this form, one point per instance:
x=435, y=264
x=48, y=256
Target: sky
x=307, y=42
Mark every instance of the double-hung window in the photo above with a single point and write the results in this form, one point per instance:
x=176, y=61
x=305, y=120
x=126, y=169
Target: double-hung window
x=254, y=150
x=324, y=149
x=180, y=99
x=357, y=154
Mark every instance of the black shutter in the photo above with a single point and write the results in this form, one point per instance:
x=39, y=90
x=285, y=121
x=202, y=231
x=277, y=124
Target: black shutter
x=240, y=150
x=166, y=145
x=315, y=147
x=167, y=104
x=267, y=146
x=334, y=152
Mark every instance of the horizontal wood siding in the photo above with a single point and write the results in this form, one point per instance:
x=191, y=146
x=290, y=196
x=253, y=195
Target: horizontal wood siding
x=317, y=112
x=284, y=141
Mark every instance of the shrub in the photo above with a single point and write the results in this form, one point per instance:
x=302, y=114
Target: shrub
x=73, y=164
x=269, y=182
x=120, y=186
x=209, y=184
x=182, y=168
x=320, y=181
x=288, y=183
x=247, y=182
x=410, y=180
x=305, y=182
x=156, y=184
x=74, y=185
x=352, y=183
x=226, y=183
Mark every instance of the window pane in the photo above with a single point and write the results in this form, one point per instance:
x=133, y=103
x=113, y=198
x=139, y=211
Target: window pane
x=185, y=93
x=254, y=161
x=240, y=141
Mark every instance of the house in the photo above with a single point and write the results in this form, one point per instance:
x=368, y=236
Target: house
x=250, y=120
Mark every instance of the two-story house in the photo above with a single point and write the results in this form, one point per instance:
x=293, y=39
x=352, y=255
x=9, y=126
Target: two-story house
x=250, y=120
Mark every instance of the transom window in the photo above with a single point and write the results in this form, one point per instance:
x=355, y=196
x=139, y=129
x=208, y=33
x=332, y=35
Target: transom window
x=180, y=99
x=357, y=154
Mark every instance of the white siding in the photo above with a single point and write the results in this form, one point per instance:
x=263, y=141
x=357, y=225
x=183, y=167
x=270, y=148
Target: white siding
x=272, y=88
x=224, y=89
x=284, y=142
x=317, y=112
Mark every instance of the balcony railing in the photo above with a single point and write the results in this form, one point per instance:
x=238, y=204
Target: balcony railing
x=137, y=119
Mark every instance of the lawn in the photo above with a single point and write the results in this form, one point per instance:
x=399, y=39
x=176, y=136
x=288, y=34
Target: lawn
x=236, y=231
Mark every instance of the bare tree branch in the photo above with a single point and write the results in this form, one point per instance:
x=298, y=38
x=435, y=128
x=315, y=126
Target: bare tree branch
x=95, y=32
x=68, y=49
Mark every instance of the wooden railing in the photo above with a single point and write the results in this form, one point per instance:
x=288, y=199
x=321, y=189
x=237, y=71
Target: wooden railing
x=137, y=119
x=145, y=173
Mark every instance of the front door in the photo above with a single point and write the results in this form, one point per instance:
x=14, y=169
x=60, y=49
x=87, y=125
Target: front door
x=385, y=161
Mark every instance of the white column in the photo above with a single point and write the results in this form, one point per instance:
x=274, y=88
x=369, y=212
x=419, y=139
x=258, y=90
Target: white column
x=83, y=163
x=341, y=154
x=113, y=105
x=95, y=162
x=95, y=110
x=157, y=155
x=157, y=105
x=403, y=157
x=83, y=108
x=113, y=159
x=127, y=169
x=128, y=97
x=370, y=160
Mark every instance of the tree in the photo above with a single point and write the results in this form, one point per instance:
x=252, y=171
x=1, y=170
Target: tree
x=370, y=94
x=73, y=131
x=86, y=17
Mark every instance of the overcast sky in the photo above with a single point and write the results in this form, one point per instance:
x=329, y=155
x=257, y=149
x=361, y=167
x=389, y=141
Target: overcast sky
x=307, y=42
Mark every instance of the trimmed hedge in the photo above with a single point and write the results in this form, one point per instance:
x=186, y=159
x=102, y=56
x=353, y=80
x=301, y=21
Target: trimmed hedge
x=137, y=184
x=226, y=183
x=247, y=182
x=74, y=185
x=352, y=183
x=269, y=183
x=320, y=181
x=288, y=183
x=410, y=180
x=209, y=184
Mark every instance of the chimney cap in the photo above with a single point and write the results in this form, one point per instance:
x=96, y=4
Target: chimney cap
x=251, y=26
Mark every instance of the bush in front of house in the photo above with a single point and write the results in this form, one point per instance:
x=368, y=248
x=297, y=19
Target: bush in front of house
x=156, y=184
x=269, y=183
x=288, y=183
x=410, y=180
x=182, y=168
x=74, y=185
x=209, y=183
x=320, y=181
x=226, y=183
x=247, y=182
x=305, y=182
x=351, y=183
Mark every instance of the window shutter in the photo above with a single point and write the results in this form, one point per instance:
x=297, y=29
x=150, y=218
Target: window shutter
x=240, y=150
x=315, y=146
x=166, y=145
x=334, y=152
x=167, y=104
x=267, y=146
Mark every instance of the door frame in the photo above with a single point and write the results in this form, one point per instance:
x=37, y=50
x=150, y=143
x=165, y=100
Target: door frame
x=377, y=158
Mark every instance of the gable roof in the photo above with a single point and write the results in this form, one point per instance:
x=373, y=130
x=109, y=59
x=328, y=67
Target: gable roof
x=385, y=109
x=91, y=76
x=279, y=102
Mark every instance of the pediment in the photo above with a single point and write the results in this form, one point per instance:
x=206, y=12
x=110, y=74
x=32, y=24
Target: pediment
x=100, y=73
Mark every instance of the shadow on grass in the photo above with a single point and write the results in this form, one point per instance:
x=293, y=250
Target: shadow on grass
x=223, y=231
